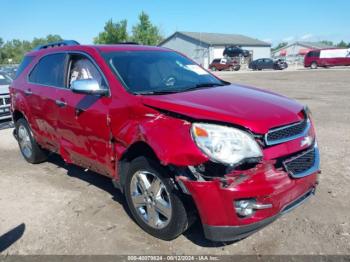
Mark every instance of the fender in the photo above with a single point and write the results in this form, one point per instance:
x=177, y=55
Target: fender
x=167, y=136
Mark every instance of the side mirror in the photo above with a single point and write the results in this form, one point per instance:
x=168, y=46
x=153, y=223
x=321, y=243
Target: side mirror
x=88, y=87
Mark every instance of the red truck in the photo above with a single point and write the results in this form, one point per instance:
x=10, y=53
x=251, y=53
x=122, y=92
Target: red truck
x=327, y=58
x=179, y=142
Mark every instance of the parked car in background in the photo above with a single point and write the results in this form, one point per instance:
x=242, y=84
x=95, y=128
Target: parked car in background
x=5, y=82
x=327, y=58
x=224, y=64
x=235, y=51
x=179, y=142
x=10, y=70
x=268, y=63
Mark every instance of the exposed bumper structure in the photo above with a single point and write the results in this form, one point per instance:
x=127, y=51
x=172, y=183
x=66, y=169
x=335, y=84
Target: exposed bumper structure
x=266, y=184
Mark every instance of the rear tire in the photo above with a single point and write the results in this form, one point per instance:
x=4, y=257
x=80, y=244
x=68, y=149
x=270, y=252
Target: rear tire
x=30, y=150
x=158, y=210
x=313, y=65
x=213, y=68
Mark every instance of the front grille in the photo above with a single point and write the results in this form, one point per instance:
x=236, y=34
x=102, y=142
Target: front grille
x=287, y=133
x=7, y=100
x=5, y=106
x=303, y=164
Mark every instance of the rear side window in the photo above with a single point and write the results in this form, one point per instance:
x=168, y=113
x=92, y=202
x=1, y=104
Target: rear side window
x=313, y=54
x=25, y=62
x=49, y=71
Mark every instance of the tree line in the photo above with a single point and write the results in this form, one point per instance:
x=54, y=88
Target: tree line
x=11, y=52
x=144, y=32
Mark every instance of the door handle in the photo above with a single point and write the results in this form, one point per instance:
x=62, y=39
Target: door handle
x=28, y=92
x=60, y=103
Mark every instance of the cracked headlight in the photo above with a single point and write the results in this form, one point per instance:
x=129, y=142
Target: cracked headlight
x=224, y=144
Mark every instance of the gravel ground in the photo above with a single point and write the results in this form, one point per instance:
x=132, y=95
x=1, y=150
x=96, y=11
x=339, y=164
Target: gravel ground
x=53, y=208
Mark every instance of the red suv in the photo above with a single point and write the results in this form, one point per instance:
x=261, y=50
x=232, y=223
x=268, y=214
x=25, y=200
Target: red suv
x=178, y=142
x=224, y=64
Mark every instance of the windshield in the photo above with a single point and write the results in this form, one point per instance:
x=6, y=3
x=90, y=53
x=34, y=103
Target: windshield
x=147, y=72
x=5, y=80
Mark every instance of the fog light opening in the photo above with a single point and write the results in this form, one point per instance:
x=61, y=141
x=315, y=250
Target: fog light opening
x=246, y=207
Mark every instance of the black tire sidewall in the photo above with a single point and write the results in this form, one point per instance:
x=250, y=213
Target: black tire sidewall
x=38, y=155
x=179, y=220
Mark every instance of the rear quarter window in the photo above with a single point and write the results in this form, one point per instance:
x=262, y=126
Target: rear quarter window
x=25, y=62
x=50, y=71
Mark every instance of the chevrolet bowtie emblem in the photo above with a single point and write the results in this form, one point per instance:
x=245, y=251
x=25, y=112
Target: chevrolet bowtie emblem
x=307, y=141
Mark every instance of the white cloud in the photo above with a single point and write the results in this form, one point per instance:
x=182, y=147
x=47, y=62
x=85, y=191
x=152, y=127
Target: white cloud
x=267, y=40
x=306, y=36
x=288, y=39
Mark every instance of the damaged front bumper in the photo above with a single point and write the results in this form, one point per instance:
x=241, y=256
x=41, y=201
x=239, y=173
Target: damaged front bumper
x=268, y=185
x=231, y=233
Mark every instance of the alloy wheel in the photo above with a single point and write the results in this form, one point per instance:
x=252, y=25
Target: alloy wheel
x=24, y=141
x=151, y=199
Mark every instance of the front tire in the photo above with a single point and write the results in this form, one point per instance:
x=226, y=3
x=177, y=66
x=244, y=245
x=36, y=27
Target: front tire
x=154, y=202
x=314, y=65
x=30, y=150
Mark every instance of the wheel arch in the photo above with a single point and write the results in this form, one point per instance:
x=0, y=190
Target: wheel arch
x=137, y=149
x=17, y=114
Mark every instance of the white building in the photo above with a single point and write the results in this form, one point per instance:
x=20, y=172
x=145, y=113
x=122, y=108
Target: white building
x=295, y=52
x=205, y=47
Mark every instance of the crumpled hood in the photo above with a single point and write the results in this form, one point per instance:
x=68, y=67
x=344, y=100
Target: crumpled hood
x=249, y=107
x=4, y=89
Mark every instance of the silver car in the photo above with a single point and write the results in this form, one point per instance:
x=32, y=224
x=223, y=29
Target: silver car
x=5, y=101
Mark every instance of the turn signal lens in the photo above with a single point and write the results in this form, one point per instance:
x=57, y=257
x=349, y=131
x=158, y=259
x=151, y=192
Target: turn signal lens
x=200, y=132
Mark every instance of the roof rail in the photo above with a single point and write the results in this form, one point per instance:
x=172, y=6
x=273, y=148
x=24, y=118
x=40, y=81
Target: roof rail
x=57, y=44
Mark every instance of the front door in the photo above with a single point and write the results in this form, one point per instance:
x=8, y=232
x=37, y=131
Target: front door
x=84, y=133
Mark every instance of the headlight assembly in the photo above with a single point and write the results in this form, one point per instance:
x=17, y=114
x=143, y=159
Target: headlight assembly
x=224, y=144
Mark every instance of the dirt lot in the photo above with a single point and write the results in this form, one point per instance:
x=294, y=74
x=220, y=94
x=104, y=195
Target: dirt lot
x=61, y=209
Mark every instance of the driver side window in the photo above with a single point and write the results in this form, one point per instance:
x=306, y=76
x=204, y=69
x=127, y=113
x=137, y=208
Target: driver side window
x=81, y=68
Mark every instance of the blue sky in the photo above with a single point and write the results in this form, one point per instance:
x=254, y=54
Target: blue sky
x=268, y=20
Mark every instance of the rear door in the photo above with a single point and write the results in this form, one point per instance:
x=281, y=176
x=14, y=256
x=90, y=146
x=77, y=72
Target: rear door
x=47, y=76
x=268, y=63
x=83, y=124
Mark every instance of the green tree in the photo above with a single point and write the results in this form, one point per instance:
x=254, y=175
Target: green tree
x=145, y=32
x=15, y=49
x=48, y=39
x=113, y=33
x=342, y=44
x=280, y=45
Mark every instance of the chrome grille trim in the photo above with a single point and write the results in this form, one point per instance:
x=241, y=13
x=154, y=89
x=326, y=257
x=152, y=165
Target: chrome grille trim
x=289, y=138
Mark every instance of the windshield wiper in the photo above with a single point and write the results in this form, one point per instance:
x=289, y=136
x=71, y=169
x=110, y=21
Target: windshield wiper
x=203, y=85
x=159, y=92
x=172, y=91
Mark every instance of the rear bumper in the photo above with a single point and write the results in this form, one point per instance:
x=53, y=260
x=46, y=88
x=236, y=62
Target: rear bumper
x=232, y=233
